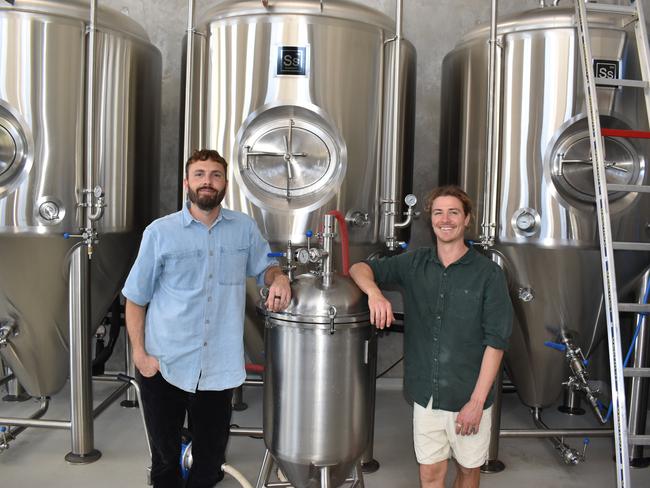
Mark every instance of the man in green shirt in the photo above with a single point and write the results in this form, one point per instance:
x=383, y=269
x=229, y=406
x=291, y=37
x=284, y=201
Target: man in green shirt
x=458, y=319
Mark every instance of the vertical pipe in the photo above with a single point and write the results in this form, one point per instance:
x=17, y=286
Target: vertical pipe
x=325, y=477
x=491, y=170
x=639, y=385
x=328, y=237
x=390, y=184
x=189, y=87
x=90, y=120
x=81, y=401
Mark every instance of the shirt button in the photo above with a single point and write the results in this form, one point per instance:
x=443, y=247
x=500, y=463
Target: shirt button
x=435, y=339
x=438, y=317
x=435, y=360
x=207, y=321
x=442, y=295
x=210, y=276
x=205, y=344
x=211, y=253
x=209, y=299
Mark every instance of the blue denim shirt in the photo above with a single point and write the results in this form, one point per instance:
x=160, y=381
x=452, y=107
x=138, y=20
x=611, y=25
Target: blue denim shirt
x=193, y=279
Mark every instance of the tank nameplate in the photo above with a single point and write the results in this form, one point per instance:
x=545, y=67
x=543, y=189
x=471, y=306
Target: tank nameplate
x=292, y=60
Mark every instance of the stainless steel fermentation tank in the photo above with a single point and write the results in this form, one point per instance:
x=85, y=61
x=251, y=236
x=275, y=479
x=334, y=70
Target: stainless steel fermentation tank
x=43, y=62
x=301, y=98
x=319, y=380
x=546, y=234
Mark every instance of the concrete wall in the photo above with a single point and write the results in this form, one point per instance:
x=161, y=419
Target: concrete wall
x=433, y=26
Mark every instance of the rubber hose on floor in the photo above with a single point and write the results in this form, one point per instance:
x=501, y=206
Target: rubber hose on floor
x=227, y=468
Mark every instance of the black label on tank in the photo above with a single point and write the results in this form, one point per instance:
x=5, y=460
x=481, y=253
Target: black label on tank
x=292, y=60
x=606, y=68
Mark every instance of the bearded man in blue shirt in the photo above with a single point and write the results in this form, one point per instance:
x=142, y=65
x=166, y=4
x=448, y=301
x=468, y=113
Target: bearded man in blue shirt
x=185, y=305
x=458, y=319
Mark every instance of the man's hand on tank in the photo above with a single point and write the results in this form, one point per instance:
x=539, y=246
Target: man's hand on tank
x=146, y=364
x=381, y=311
x=279, y=294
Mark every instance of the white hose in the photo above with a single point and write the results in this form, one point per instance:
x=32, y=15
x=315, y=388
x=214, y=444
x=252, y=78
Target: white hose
x=227, y=468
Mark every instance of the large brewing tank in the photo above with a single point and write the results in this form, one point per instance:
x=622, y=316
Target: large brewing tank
x=299, y=98
x=546, y=222
x=317, y=381
x=43, y=56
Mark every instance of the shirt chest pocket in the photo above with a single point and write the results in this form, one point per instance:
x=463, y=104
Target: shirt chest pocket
x=183, y=270
x=232, y=265
x=464, y=304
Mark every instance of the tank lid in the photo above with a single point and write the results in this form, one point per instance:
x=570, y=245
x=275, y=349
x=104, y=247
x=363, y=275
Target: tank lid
x=539, y=19
x=313, y=303
x=339, y=9
x=80, y=10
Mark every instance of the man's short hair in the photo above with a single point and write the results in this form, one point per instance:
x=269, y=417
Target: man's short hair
x=449, y=191
x=205, y=155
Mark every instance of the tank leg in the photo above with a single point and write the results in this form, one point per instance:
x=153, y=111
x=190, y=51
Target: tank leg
x=639, y=385
x=238, y=399
x=131, y=400
x=15, y=391
x=358, y=476
x=493, y=465
x=265, y=470
x=368, y=463
x=81, y=393
x=571, y=403
x=325, y=477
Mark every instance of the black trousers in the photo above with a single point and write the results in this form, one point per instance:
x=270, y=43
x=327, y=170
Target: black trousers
x=209, y=414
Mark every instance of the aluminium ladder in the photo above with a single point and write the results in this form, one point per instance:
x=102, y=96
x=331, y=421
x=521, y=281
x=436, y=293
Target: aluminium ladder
x=630, y=13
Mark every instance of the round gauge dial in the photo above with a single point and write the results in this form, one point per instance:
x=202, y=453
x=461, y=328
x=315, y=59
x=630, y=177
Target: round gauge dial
x=525, y=221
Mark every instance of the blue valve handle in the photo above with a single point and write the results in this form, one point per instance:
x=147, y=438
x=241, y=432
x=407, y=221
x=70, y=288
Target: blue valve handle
x=66, y=235
x=555, y=345
x=404, y=245
x=585, y=441
x=275, y=255
x=309, y=233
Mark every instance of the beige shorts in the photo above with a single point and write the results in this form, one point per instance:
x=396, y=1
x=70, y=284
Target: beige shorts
x=435, y=438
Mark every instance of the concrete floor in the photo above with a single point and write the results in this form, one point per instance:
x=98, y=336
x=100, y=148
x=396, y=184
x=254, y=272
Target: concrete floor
x=36, y=458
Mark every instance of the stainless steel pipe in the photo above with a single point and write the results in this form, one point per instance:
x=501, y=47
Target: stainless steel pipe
x=189, y=84
x=542, y=433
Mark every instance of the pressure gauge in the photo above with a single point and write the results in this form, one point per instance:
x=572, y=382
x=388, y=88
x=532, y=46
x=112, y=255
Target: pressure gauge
x=525, y=221
x=302, y=255
x=410, y=200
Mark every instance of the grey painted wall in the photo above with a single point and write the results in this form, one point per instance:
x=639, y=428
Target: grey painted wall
x=433, y=26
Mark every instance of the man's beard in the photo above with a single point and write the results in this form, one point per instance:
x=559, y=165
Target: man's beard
x=206, y=202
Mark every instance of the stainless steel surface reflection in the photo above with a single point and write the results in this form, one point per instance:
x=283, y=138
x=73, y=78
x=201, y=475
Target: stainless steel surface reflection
x=305, y=139
x=42, y=64
x=317, y=382
x=546, y=222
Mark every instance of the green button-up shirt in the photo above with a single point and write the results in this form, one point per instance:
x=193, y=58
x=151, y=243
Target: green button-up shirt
x=451, y=315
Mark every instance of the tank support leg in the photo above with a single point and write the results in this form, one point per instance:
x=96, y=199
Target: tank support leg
x=131, y=400
x=368, y=463
x=358, y=477
x=265, y=470
x=325, y=477
x=493, y=465
x=639, y=385
x=81, y=394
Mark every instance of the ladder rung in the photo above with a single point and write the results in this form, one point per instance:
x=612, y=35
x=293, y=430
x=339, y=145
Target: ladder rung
x=639, y=440
x=634, y=307
x=637, y=372
x=631, y=246
x=621, y=82
x=630, y=188
x=630, y=134
x=611, y=9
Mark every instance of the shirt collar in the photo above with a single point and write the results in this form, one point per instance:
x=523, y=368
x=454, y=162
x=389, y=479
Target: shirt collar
x=466, y=258
x=224, y=213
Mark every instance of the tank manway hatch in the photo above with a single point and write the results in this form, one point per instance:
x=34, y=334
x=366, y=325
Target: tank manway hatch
x=290, y=158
